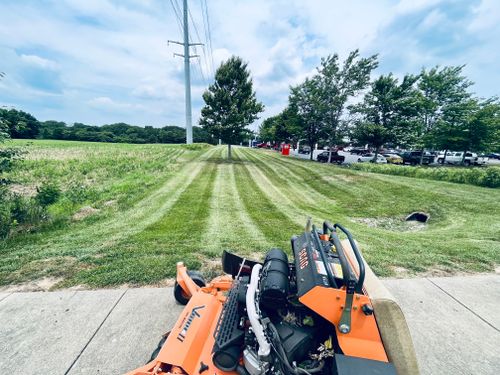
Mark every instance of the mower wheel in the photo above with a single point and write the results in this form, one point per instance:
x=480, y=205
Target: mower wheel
x=158, y=348
x=179, y=293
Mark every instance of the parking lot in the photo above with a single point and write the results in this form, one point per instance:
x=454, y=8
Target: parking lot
x=350, y=158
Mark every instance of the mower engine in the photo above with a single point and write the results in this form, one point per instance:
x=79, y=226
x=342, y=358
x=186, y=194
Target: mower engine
x=257, y=316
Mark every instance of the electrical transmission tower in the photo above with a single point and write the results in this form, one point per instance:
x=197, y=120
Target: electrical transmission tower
x=187, y=72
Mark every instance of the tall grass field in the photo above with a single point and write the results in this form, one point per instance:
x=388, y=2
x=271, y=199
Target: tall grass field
x=127, y=213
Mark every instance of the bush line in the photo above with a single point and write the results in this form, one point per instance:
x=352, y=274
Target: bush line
x=486, y=177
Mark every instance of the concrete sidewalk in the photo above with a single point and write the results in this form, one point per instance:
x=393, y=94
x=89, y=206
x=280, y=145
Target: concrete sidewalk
x=455, y=323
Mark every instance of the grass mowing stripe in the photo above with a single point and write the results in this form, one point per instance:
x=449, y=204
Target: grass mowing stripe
x=285, y=204
x=287, y=194
x=312, y=182
x=176, y=236
x=143, y=214
x=229, y=226
x=298, y=193
x=100, y=236
x=279, y=173
x=275, y=226
x=357, y=191
x=253, y=236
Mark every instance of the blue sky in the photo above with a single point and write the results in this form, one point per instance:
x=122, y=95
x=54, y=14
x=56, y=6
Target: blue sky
x=108, y=61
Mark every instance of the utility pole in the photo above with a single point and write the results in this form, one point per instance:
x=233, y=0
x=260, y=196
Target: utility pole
x=187, y=72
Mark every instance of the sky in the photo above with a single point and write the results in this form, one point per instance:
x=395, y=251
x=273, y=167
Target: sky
x=107, y=61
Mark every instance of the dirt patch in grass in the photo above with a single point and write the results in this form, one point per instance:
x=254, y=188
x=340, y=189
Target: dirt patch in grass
x=42, y=285
x=24, y=190
x=84, y=212
x=391, y=223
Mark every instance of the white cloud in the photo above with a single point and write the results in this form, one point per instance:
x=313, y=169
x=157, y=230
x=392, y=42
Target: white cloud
x=39, y=62
x=434, y=18
x=486, y=17
x=112, y=57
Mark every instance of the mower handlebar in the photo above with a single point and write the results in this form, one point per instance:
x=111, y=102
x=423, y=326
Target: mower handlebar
x=327, y=226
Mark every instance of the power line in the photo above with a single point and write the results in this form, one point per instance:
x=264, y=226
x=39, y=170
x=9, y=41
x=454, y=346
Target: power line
x=177, y=16
x=208, y=33
x=203, y=48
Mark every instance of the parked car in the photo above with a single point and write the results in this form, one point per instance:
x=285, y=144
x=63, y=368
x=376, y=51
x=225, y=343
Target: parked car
x=483, y=160
x=493, y=156
x=369, y=158
x=413, y=157
x=263, y=145
x=393, y=158
x=456, y=158
x=336, y=158
x=440, y=156
x=359, y=151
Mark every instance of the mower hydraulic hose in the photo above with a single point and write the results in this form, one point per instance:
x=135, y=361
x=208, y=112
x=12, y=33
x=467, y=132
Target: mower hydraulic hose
x=253, y=316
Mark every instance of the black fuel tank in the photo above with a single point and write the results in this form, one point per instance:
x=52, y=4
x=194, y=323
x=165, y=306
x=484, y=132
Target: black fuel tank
x=274, y=282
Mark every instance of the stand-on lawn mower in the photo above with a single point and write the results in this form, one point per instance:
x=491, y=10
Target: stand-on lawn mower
x=323, y=313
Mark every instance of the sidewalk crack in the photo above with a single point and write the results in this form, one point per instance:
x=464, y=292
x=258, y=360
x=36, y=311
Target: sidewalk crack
x=8, y=295
x=464, y=305
x=95, y=333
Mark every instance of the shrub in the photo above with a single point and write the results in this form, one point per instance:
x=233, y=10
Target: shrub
x=487, y=177
x=48, y=194
x=8, y=155
x=5, y=216
x=26, y=211
x=19, y=210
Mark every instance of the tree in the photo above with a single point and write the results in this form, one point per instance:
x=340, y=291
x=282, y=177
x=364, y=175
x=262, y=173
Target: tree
x=305, y=101
x=442, y=91
x=337, y=84
x=480, y=130
x=284, y=127
x=388, y=111
x=267, y=130
x=230, y=103
x=21, y=124
x=4, y=130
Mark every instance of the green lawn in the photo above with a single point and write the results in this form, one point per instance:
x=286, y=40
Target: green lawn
x=160, y=204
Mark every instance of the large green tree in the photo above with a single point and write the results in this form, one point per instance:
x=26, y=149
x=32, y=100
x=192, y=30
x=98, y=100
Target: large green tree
x=388, y=112
x=443, y=91
x=305, y=101
x=230, y=103
x=480, y=129
x=339, y=82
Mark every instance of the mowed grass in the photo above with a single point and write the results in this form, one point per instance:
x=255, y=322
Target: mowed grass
x=190, y=205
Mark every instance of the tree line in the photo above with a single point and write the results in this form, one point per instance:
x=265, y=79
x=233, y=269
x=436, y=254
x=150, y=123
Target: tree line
x=432, y=110
x=20, y=124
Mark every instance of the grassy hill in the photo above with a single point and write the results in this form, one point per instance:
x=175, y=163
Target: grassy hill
x=128, y=213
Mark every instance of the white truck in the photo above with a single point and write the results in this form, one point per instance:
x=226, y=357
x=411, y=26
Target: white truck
x=455, y=158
